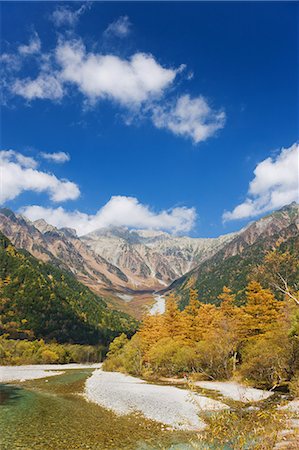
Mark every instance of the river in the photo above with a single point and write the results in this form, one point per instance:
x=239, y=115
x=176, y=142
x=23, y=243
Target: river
x=159, y=305
x=52, y=413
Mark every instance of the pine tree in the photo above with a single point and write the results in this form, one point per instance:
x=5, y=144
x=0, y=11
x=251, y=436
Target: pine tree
x=205, y=321
x=193, y=306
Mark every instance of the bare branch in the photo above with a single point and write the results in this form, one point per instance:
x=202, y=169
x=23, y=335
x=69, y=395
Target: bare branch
x=286, y=292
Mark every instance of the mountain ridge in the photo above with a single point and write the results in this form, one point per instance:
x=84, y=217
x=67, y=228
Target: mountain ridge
x=112, y=258
x=61, y=248
x=233, y=263
x=152, y=254
x=115, y=261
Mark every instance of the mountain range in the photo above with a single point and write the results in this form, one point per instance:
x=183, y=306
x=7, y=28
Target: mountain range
x=117, y=262
x=113, y=258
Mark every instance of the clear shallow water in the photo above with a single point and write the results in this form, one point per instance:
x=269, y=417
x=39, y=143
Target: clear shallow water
x=53, y=414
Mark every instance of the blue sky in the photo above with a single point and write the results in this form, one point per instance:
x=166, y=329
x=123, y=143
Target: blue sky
x=185, y=114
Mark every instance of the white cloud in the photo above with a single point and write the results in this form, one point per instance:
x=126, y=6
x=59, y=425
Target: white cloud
x=56, y=157
x=45, y=86
x=10, y=62
x=25, y=161
x=18, y=173
x=129, y=82
x=65, y=16
x=275, y=184
x=32, y=48
x=188, y=117
x=137, y=83
x=119, y=211
x=120, y=27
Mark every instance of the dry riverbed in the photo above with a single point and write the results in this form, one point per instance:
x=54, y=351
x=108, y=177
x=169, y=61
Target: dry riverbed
x=174, y=407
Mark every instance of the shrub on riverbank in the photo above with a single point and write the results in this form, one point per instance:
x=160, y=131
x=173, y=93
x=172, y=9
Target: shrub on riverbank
x=17, y=352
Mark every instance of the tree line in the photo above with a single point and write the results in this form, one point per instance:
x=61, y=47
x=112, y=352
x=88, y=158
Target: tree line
x=257, y=341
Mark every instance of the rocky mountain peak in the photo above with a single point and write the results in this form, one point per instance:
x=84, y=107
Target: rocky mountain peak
x=151, y=258
x=114, y=232
x=43, y=226
x=69, y=232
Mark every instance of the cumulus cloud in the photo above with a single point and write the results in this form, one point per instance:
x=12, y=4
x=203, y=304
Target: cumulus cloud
x=19, y=173
x=32, y=48
x=65, y=16
x=275, y=184
x=56, y=157
x=24, y=161
x=127, y=81
x=120, y=27
x=119, y=211
x=45, y=86
x=189, y=117
x=138, y=83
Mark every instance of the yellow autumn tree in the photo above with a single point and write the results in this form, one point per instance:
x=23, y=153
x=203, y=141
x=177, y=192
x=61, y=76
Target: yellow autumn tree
x=172, y=323
x=261, y=311
x=151, y=330
x=206, y=317
x=218, y=348
x=191, y=331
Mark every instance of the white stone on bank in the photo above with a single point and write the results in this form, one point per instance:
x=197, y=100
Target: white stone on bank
x=174, y=407
x=292, y=406
x=36, y=371
x=235, y=391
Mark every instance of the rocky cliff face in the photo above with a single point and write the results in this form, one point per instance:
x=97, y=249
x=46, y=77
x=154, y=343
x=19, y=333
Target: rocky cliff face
x=264, y=228
x=62, y=248
x=152, y=258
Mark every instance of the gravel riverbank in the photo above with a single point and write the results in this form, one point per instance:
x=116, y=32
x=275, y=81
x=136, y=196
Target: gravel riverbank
x=174, y=407
x=235, y=391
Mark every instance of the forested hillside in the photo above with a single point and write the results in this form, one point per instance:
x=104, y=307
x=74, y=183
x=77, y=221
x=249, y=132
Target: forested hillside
x=41, y=301
x=233, y=265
